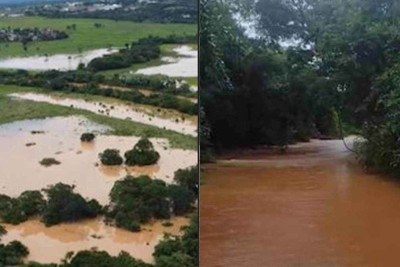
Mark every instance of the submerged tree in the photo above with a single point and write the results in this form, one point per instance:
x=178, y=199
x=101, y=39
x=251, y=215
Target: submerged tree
x=143, y=153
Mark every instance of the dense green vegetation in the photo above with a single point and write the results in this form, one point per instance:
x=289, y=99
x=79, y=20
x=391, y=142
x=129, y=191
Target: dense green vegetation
x=141, y=51
x=111, y=157
x=60, y=205
x=339, y=72
x=137, y=200
x=13, y=253
x=63, y=205
x=180, y=251
x=266, y=95
x=85, y=35
x=87, y=137
x=14, y=110
x=84, y=81
x=142, y=154
x=17, y=210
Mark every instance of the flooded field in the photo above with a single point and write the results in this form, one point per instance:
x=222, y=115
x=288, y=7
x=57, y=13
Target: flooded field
x=57, y=62
x=183, y=66
x=119, y=111
x=30, y=141
x=314, y=206
x=50, y=244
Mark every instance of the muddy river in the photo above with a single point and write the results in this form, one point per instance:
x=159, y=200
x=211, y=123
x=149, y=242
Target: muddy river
x=314, y=206
x=57, y=62
x=59, y=138
x=116, y=110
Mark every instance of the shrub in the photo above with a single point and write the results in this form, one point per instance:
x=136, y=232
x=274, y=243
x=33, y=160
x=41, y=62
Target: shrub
x=181, y=199
x=136, y=200
x=17, y=210
x=142, y=154
x=64, y=205
x=91, y=258
x=87, y=137
x=12, y=254
x=111, y=157
x=47, y=162
x=188, y=178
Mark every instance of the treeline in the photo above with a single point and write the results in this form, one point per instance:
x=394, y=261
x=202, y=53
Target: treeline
x=133, y=201
x=141, y=51
x=342, y=69
x=255, y=92
x=165, y=11
x=164, y=96
x=172, y=251
x=25, y=35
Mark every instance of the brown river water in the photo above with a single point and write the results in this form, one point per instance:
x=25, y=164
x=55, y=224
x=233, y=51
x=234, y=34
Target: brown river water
x=24, y=143
x=314, y=206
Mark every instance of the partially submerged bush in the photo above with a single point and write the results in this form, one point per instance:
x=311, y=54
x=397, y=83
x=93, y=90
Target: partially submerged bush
x=63, y=205
x=142, y=154
x=188, y=178
x=47, y=162
x=179, y=251
x=17, y=210
x=111, y=157
x=103, y=259
x=13, y=253
x=136, y=200
x=87, y=137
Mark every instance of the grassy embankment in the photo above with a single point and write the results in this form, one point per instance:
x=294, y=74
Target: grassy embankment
x=14, y=110
x=86, y=36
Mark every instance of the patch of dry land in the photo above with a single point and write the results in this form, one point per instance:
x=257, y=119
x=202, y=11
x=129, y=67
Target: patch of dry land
x=30, y=141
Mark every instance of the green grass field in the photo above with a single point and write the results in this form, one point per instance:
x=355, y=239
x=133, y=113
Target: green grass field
x=86, y=36
x=15, y=110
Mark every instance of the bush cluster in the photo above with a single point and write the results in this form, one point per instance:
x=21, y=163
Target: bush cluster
x=87, y=137
x=142, y=154
x=61, y=205
x=136, y=200
x=111, y=157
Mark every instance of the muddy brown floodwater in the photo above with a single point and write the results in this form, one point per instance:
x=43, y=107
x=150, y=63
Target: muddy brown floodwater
x=25, y=143
x=314, y=206
x=59, y=138
x=50, y=244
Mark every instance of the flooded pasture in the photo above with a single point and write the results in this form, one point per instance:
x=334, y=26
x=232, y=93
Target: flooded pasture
x=314, y=206
x=183, y=66
x=117, y=110
x=25, y=143
x=56, y=241
x=54, y=62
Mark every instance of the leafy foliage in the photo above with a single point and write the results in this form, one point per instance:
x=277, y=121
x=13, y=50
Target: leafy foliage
x=87, y=137
x=63, y=205
x=12, y=254
x=136, y=200
x=17, y=210
x=111, y=157
x=142, y=154
x=176, y=251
